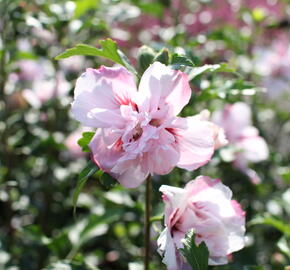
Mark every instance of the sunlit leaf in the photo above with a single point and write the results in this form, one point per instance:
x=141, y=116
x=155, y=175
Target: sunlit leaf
x=82, y=6
x=85, y=140
x=179, y=61
x=271, y=221
x=196, y=71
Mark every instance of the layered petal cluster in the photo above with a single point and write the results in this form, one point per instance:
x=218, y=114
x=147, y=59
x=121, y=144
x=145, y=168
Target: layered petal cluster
x=139, y=131
x=206, y=206
x=249, y=146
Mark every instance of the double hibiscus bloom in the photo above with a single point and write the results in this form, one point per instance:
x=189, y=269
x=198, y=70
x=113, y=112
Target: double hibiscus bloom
x=139, y=133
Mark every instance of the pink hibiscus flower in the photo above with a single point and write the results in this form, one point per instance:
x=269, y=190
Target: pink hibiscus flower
x=249, y=146
x=204, y=205
x=139, y=131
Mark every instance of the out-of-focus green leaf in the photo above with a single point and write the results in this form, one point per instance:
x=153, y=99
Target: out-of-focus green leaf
x=68, y=265
x=284, y=246
x=85, y=140
x=25, y=55
x=88, y=171
x=94, y=220
x=196, y=256
x=196, y=71
x=179, y=61
x=271, y=221
x=153, y=8
x=254, y=267
x=60, y=244
x=82, y=6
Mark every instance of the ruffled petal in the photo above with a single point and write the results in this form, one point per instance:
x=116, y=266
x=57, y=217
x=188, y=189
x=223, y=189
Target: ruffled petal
x=195, y=141
x=99, y=93
x=162, y=88
x=175, y=200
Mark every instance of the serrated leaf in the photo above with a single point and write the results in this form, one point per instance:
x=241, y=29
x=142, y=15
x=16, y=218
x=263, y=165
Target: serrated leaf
x=179, y=61
x=196, y=71
x=87, y=172
x=196, y=256
x=271, y=221
x=85, y=140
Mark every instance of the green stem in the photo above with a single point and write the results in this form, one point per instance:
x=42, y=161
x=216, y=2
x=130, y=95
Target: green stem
x=147, y=222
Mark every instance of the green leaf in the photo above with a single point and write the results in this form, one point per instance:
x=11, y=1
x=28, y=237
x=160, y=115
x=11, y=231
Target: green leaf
x=272, y=221
x=68, y=265
x=109, y=51
x=82, y=6
x=87, y=172
x=85, y=140
x=106, y=180
x=254, y=267
x=179, y=61
x=196, y=71
x=196, y=256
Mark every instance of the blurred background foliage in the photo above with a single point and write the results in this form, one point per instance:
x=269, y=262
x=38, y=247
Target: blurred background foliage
x=39, y=156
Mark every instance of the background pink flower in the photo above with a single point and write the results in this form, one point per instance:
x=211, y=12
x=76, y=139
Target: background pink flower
x=243, y=137
x=140, y=132
x=204, y=205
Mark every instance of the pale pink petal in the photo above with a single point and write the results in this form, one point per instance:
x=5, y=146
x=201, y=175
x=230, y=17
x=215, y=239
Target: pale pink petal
x=167, y=249
x=233, y=119
x=253, y=149
x=195, y=141
x=162, y=87
x=99, y=93
x=175, y=203
x=133, y=176
x=162, y=160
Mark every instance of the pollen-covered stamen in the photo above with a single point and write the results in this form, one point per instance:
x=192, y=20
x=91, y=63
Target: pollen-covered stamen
x=137, y=132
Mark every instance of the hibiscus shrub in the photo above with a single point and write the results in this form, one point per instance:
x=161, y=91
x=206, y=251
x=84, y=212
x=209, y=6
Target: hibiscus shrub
x=183, y=140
